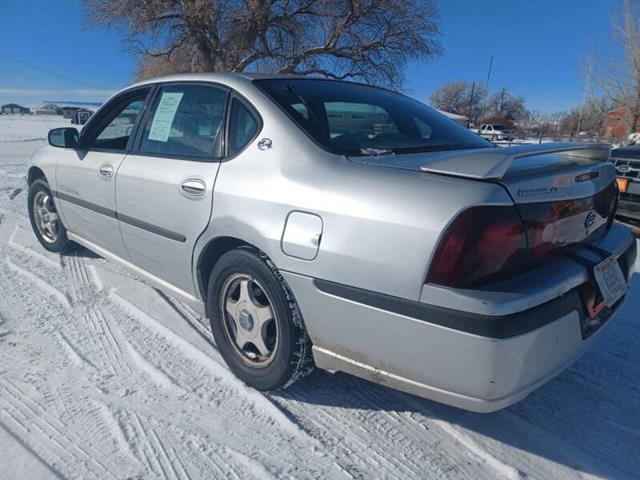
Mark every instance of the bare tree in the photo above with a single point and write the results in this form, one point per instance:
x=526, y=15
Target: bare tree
x=620, y=82
x=463, y=98
x=369, y=40
x=588, y=118
x=503, y=107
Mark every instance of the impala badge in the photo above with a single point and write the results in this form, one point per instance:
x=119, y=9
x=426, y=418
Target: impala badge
x=264, y=144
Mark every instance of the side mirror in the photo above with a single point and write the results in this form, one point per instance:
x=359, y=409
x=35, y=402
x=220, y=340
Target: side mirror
x=66, y=137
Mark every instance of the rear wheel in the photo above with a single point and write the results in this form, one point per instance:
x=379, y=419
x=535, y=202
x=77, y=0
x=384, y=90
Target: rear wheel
x=44, y=218
x=256, y=321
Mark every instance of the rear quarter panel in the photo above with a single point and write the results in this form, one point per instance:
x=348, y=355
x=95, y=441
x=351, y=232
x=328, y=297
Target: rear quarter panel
x=380, y=225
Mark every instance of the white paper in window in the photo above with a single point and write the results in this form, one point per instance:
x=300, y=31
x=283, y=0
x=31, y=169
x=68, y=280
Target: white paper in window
x=163, y=118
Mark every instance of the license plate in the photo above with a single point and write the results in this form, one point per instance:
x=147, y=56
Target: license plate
x=610, y=280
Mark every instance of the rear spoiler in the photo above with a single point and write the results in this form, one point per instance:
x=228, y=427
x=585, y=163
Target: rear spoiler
x=493, y=163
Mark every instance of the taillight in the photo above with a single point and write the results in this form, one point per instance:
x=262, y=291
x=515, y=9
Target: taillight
x=482, y=244
x=490, y=243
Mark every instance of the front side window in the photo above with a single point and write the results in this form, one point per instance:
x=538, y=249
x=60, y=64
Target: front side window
x=113, y=128
x=354, y=119
x=185, y=120
x=243, y=126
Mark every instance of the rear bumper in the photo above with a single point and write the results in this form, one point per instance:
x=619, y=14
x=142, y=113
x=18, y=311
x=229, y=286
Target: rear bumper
x=473, y=361
x=628, y=208
x=473, y=373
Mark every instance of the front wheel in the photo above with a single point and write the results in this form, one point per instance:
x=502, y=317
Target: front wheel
x=256, y=321
x=44, y=218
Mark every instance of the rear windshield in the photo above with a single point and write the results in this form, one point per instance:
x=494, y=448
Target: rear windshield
x=354, y=119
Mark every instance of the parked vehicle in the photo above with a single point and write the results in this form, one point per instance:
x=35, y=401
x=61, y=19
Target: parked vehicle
x=627, y=163
x=396, y=246
x=496, y=132
x=81, y=116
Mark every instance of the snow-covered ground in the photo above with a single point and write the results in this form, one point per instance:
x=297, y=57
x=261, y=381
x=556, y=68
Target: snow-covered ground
x=103, y=377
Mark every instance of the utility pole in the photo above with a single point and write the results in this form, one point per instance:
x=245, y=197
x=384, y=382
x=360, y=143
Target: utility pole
x=587, y=86
x=489, y=72
x=502, y=94
x=473, y=91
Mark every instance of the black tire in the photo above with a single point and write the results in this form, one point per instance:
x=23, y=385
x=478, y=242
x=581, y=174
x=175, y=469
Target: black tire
x=291, y=358
x=61, y=243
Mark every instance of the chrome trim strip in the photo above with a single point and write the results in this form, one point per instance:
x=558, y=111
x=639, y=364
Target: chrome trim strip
x=84, y=204
x=163, y=232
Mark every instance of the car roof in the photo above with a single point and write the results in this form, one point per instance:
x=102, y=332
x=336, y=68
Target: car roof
x=222, y=77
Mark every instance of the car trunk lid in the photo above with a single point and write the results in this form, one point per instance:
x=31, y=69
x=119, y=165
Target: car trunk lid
x=564, y=192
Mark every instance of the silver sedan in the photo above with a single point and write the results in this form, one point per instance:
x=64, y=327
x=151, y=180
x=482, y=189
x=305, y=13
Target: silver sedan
x=349, y=227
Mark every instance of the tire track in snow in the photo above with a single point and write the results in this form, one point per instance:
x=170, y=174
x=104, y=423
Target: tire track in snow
x=376, y=424
x=79, y=278
x=77, y=358
x=149, y=453
x=51, y=433
x=41, y=285
x=83, y=290
x=115, y=430
x=56, y=473
x=156, y=374
x=500, y=468
x=386, y=421
x=259, y=401
x=43, y=259
x=192, y=319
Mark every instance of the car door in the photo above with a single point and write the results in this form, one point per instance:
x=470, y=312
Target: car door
x=85, y=177
x=164, y=188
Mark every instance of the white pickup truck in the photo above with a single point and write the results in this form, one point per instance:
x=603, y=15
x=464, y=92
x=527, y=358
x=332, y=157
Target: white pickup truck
x=495, y=132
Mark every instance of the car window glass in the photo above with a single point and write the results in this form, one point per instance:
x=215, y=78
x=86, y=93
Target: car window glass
x=353, y=119
x=301, y=110
x=242, y=127
x=115, y=125
x=346, y=117
x=185, y=121
x=423, y=127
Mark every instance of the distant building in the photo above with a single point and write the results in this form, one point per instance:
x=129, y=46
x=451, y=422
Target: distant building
x=618, y=123
x=49, y=109
x=13, y=108
x=81, y=116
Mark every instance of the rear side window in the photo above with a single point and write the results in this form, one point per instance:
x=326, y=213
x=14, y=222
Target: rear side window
x=243, y=126
x=185, y=121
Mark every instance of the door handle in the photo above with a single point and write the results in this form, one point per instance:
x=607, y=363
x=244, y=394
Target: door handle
x=193, y=187
x=106, y=171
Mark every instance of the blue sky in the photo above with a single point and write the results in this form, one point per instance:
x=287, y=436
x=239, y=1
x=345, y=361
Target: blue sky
x=538, y=47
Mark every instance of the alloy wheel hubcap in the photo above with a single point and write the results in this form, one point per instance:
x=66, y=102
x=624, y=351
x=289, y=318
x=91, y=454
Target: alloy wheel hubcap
x=46, y=217
x=249, y=320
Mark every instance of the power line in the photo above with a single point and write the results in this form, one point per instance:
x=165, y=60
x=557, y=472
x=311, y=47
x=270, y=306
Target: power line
x=55, y=74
